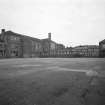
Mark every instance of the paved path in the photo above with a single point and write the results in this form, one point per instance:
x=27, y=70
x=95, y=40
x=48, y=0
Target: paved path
x=87, y=72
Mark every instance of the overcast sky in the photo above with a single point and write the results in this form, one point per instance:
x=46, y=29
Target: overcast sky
x=71, y=22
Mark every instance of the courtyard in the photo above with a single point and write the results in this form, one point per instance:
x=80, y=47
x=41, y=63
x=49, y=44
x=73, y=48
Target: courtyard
x=52, y=81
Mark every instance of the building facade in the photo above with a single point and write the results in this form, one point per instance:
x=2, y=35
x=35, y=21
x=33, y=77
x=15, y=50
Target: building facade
x=79, y=51
x=65, y=52
x=2, y=49
x=17, y=45
x=102, y=48
x=86, y=51
x=14, y=45
x=49, y=47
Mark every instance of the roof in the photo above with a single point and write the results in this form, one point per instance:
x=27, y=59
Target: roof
x=48, y=40
x=102, y=41
x=25, y=36
x=86, y=46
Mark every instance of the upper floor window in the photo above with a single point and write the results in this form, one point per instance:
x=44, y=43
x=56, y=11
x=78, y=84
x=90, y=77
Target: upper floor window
x=2, y=45
x=14, y=38
x=103, y=46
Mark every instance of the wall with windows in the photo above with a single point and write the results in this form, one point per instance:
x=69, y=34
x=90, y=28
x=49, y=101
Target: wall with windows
x=13, y=45
x=31, y=47
x=17, y=45
x=102, y=48
x=2, y=50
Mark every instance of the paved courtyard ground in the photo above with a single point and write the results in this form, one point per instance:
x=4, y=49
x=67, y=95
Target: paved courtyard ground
x=52, y=81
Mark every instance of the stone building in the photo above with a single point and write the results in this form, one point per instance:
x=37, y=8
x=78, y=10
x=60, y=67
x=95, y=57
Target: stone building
x=65, y=52
x=31, y=47
x=59, y=50
x=79, y=51
x=60, y=46
x=14, y=45
x=17, y=45
x=86, y=51
x=102, y=48
x=2, y=49
x=49, y=47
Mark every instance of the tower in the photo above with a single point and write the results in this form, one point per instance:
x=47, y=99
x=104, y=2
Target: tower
x=49, y=35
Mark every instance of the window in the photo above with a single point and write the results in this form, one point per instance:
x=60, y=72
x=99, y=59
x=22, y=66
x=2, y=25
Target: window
x=1, y=53
x=103, y=46
x=14, y=53
x=14, y=38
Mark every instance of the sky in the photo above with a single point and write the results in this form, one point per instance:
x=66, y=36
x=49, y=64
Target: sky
x=71, y=22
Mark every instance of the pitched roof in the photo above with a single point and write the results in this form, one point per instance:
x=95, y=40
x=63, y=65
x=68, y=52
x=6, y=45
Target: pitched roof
x=102, y=41
x=46, y=39
x=86, y=46
x=25, y=36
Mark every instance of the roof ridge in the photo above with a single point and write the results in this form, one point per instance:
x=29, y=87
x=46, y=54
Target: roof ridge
x=21, y=34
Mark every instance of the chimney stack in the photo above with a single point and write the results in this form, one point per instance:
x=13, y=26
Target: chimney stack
x=2, y=31
x=2, y=34
x=49, y=35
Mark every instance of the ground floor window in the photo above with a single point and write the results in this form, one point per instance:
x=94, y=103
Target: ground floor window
x=14, y=53
x=2, y=53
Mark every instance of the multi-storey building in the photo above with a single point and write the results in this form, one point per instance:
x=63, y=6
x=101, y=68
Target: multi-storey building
x=102, y=48
x=86, y=51
x=65, y=52
x=17, y=45
x=80, y=51
x=2, y=49
x=49, y=47
x=60, y=46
